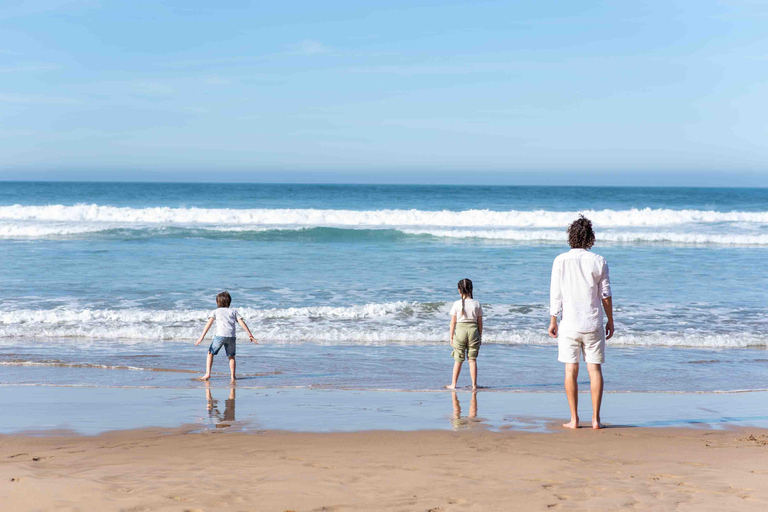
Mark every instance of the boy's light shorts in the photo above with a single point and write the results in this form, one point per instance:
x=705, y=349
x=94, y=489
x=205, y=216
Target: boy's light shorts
x=571, y=345
x=466, y=340
x=227, y=342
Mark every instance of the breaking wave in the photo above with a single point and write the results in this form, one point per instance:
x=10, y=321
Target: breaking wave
x=646, y=217
x=370, y=324
x=619, y=226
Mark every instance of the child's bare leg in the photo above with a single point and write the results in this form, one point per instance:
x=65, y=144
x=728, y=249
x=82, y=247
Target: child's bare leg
x=232, y=366
x=473, y=405
x=456, y=372
x=456, y=407
x=208, y=366
x=473, y=372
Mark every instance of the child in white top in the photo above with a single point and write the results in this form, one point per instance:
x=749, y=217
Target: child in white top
x=226, y=319
x=466, y=332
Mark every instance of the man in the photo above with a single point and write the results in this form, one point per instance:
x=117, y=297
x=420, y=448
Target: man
x=580, y=283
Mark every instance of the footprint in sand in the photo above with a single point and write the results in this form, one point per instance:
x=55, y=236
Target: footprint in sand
x=760, y=440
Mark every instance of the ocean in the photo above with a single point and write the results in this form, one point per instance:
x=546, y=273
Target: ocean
x=348, y=287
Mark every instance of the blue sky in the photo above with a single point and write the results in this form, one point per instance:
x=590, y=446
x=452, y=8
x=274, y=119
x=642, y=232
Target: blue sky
x=266, y=90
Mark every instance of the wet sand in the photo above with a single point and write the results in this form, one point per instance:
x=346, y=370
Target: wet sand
x=181, y=470
x=95, y=410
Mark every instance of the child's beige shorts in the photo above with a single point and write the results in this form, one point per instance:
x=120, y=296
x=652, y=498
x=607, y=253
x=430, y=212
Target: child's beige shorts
x=466, y=340
x=571, y=345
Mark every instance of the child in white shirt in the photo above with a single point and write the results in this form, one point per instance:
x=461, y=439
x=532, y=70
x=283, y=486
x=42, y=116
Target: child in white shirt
x=226, y=319
x=466, y=332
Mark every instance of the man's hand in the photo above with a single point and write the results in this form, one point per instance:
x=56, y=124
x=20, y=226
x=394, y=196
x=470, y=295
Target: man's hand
x=609, y=329
x=254, y=340
x=553, y=327
x=199, y=341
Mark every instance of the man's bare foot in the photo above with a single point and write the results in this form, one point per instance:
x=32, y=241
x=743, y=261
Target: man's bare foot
x=451, y=387
x=233, y=378
x=204, y=377
x=572, y=424
x=597, y=425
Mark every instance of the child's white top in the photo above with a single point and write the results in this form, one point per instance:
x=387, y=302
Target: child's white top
x=472, y=311
x=226, y=321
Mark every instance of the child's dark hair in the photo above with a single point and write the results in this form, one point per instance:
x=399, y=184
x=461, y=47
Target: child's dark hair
x=465, y=288
x=580, y=234
x=223, y=300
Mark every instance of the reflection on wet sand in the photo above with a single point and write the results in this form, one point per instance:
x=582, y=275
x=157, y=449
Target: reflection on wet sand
x=471, y=419
x=221, y=420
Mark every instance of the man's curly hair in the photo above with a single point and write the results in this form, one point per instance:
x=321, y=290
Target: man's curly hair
x=580, y=234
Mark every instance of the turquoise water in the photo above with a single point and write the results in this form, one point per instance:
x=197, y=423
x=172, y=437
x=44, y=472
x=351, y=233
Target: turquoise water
x=349, y=286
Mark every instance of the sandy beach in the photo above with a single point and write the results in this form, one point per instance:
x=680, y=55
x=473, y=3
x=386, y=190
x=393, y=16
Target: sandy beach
x=179, y=470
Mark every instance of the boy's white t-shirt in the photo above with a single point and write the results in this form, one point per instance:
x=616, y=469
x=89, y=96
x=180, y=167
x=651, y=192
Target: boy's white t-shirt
x=226, y=321
x=472, y=311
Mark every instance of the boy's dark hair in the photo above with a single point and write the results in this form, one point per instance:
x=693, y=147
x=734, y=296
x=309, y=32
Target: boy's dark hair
x=580, y=234
x=223, y=300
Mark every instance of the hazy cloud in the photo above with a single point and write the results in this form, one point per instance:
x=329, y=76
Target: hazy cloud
x=31, y=67
x=150, y=88
x=216, y=80
x=39, y=100
x=21, y=9
x=234, y=61
x=309, y=47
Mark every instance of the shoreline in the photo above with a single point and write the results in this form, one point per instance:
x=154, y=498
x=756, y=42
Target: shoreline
x=687, y=469
x=95, y=410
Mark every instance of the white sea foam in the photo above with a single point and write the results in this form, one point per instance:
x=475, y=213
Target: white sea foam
x=170, y=317
x=370, y=324
x=605, y=236
x=39, y=230
x=682, y=238
x=646, y=217
x=620, y=226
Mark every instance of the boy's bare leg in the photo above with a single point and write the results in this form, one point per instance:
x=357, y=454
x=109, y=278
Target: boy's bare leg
x=232, y=366
x=596, y=386
x=572, y=392
x=456, y=372
x=473, y=372
x=208, y=366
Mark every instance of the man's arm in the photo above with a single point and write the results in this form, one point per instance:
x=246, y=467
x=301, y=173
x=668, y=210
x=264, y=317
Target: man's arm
x=608, y=307
x=208, y=325
x=605, y=295
x=552, y=326
x=242, y=324
x=555, y=300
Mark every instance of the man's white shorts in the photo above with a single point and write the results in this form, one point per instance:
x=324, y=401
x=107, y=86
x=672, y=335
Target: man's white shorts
x=570, y=346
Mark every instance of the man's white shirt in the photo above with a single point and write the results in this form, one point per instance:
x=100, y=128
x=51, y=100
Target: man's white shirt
x=579, y=283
